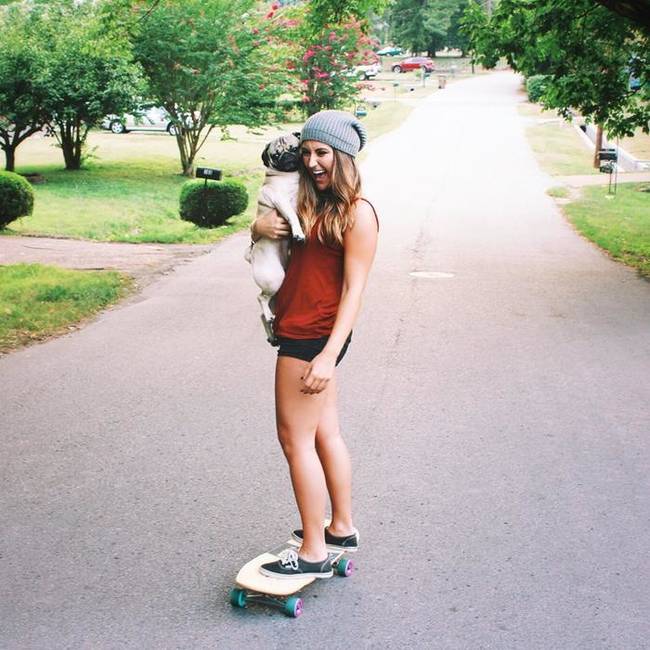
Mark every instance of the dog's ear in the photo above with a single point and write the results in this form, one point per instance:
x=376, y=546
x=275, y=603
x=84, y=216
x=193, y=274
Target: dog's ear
x=297, y=134
x=266, y=159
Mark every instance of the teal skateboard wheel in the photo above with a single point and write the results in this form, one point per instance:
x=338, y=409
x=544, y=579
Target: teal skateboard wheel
x=238, y=598
x=345, y=567
x=293, y=606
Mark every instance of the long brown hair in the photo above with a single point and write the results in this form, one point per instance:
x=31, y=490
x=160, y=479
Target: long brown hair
x=334, y=206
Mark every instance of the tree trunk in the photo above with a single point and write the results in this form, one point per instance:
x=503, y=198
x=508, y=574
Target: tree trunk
x=599, y=145
x=10, y=158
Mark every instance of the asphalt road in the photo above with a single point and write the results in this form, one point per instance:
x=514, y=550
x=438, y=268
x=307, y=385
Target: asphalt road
x=497, y=414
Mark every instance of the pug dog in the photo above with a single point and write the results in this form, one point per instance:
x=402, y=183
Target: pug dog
x=269, y=257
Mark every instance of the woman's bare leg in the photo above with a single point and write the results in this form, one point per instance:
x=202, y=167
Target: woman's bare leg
x=297, y=417
x=335, y=459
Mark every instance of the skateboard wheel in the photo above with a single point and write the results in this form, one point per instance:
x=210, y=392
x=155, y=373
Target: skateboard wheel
x=293, y=607
x=238, y=598
x=345, y=568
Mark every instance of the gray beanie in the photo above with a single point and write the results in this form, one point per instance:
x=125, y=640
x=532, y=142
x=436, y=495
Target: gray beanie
x=338, y=129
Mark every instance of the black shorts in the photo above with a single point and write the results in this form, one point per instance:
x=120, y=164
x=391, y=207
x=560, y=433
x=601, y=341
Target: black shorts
x=307, y=349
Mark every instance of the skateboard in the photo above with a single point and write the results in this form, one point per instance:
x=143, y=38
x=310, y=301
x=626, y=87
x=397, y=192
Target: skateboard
x=253, y=587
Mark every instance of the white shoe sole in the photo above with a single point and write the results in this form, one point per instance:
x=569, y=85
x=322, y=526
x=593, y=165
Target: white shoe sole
x=295, y=576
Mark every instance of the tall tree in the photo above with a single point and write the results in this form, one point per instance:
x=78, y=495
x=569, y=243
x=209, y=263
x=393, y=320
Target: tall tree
x=595, y=61
x=22, y=60
x=423, y=25
x=210, y=63
x=89, y=73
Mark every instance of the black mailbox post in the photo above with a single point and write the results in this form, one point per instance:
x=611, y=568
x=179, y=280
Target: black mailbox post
x=608, y=165
x=208, y=174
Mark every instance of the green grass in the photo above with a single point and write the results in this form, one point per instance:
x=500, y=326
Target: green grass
x=129, y=190
x=559, y=150
x=559, y=192
x=37, y=301
x=127, y=201
x=620, y=225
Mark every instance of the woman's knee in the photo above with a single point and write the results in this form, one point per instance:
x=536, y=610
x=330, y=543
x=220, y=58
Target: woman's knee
x=295, y=443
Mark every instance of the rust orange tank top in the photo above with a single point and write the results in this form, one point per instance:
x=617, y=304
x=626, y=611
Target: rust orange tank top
x=308, y=300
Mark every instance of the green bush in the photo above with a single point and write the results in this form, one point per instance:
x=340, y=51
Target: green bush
x=16, y=198
x=536, y=87
x=210, y=207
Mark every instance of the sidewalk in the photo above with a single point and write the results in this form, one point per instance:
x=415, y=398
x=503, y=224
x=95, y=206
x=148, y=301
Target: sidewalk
x=602, y=179
x=142, y=261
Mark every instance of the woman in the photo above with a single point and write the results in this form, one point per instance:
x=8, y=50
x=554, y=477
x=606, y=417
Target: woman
x=316, y=308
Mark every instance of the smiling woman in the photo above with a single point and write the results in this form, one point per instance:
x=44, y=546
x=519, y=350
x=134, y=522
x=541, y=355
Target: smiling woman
x=316, y=308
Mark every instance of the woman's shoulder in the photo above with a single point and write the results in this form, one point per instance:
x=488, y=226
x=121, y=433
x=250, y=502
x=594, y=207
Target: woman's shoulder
x=365, y=211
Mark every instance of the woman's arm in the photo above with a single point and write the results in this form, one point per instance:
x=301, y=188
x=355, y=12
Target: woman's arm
x=360, y=244
x=270, y=225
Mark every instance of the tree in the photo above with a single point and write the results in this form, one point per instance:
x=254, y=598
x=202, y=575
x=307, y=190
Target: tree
x=328, y=12
x=335, y=38
x=637, y=11
x=595, y=61
x=89, y=73
x=21, y=92
x=211, y=63
x=423, y=25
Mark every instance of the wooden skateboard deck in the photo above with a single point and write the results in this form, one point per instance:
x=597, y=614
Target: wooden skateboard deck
x=252, y=586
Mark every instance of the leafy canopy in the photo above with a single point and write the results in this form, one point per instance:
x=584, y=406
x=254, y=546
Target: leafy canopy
x=595, y=61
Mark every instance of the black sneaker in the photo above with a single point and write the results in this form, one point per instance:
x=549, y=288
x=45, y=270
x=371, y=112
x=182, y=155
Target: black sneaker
x=348, y=543
x=290, y=565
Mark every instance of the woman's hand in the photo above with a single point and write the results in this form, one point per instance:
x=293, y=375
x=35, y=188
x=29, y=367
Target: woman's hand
x=270, y=225
x=318, y=374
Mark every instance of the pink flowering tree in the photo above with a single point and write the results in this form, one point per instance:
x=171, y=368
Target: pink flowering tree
x=326, y=67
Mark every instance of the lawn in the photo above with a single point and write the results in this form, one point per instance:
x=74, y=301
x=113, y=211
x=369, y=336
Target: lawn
x=559, y=149
x=620, y=225
x=638, y=146
x=129, y=190
x=38, y=301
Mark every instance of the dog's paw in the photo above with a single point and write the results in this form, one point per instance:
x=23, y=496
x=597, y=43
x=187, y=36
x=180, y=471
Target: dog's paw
x=299, y=238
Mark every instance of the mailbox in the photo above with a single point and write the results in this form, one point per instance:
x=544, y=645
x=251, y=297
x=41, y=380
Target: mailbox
x=208, y=173
x=608, y=155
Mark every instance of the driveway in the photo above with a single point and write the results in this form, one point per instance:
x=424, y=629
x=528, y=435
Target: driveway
x=495, y=399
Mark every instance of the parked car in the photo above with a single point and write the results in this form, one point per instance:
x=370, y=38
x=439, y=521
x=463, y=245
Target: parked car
x=390, y=50
x=414, y=63
x=369, y=71
x=152, y=119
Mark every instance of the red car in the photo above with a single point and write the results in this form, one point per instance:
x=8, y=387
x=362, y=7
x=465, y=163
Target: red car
x=414, y=63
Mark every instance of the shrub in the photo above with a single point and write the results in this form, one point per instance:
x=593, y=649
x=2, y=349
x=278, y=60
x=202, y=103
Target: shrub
x=223, y=199
x=536, y=87
x=16, y=198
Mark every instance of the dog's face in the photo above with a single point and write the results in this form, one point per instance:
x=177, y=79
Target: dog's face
x=283, y=153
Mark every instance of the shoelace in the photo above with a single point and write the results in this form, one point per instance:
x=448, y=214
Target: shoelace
x=289, y=558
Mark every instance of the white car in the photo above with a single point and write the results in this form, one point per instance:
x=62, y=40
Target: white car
x=152, y=119
x=369, y=71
